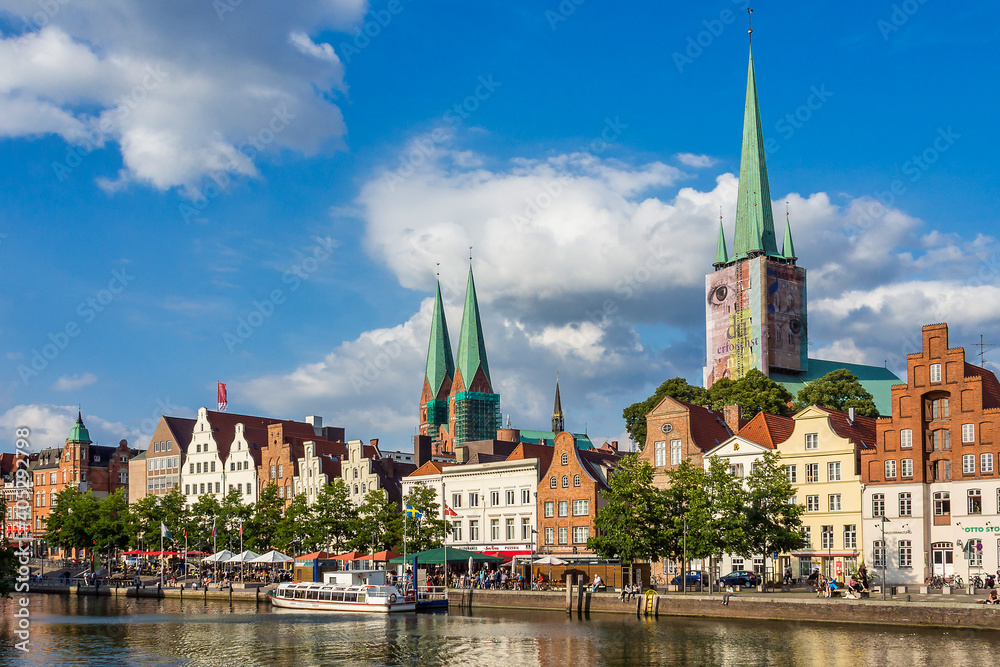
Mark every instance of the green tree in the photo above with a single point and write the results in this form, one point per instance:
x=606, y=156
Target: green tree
x=336, y=518
x=259, y=530
x=380, y=524
x=232, y=512
x=635, y=414
x=8, y=559
x=204, y=514
x=297, y=527
x=754, y=392
x=630, y=524
x=115, y=523
x=72, y=520
x=838, y=390
x=772, y=522
x=429, y=530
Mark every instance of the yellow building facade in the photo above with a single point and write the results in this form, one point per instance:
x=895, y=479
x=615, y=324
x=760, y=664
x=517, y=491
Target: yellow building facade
x=821, y=459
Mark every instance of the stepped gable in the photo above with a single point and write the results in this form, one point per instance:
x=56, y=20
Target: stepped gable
x=767, y=429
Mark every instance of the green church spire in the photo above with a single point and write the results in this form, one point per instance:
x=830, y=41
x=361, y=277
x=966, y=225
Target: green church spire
x=471, y=346
x=754, y=220
x=440, y=364
x=721, y=254
x=789, y=248
x=79, y=432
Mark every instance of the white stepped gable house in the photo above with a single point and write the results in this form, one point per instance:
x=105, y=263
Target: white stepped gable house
x=205, y=472
x=241, y=466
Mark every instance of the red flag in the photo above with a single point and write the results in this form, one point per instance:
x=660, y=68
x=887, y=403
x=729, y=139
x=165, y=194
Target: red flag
x=449, y=511
x=223, y=400
x=241, y=529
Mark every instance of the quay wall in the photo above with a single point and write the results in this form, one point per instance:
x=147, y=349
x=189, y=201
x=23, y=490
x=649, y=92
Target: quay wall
x=869, y=612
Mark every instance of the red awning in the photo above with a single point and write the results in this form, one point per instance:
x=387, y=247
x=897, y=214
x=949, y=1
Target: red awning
x=508, y=555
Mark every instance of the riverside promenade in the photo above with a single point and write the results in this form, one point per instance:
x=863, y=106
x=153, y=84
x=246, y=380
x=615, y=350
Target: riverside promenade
x=918, y=610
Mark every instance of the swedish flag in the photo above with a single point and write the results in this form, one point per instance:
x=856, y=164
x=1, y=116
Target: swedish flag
x=413, y=512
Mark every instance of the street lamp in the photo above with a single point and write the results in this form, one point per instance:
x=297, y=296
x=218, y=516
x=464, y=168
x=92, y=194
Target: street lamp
x=885, y=551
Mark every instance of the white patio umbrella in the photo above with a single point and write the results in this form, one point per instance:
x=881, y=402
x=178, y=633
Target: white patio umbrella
x=272, y=557
x=550, y=560
x=243, y=557
x=220, y=557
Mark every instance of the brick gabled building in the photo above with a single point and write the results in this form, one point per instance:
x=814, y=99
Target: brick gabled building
x=569, y=496
x=79, y=464
x=931, y=481
x=163, y=459
x=677, y=430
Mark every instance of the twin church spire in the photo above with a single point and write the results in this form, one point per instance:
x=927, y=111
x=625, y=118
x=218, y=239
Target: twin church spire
x=458, y=403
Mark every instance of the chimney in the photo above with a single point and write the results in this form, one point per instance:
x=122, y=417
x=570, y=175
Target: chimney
x=421, y=449
x=317, y=423
x=850, y=415
x=614, y=445
x=732, y=417
x=335, y=433
x=374, y=443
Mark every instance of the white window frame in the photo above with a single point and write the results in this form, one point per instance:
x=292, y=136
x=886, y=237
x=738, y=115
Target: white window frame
x=812, y=441
x=878, y=504
x=906, y=468
x=935, y=372
x=890, y=468
x=835, y=502
x=906, y=438
x=812, y=473
x=968, y=433
x=812, y=503
x=968, y=464
x=986, y=462
x=905, y=504
x=675, y=452
x=833, y=471
x=580, y=534
x=659, y=453
x=791, y=473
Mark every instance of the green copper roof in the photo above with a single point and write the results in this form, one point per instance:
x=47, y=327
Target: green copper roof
x=440, y=363
x=878, y=381
x=754, y=221
x=721, y=254
x=79, y=432
x=471, y=346
x=789, y=249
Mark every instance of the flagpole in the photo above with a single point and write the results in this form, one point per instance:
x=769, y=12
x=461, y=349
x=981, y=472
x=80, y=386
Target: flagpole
x=185, y=555
x=404, y=549
x=161, y=554
x=242, y=557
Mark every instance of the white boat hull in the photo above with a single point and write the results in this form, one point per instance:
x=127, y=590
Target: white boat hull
x=326, y=605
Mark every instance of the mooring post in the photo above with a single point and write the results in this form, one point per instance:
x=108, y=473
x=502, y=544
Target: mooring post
x=570, y=579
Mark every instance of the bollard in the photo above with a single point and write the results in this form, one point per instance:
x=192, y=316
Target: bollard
x=570, y=579
x=656, y=607
x=638, y=604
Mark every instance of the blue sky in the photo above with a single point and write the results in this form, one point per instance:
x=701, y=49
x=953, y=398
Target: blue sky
x=180, y=165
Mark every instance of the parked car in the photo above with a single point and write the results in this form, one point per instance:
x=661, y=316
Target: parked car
x=740, y=578
x=692, y=579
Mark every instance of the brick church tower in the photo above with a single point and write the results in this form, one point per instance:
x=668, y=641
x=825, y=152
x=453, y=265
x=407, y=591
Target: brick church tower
x=756, y=298
x=458, y=403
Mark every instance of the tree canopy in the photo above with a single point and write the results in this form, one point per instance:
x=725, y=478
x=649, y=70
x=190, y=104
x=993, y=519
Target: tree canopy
x=635, y=414
x=630, y=524
x=838, y=390
x=754, y=392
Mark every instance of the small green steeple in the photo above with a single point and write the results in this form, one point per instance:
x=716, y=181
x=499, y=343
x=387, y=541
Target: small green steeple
x=440, y=363
x=789, y=249
x=79, y=432
x=721, y=254
x=754, y=220
x=471, y=346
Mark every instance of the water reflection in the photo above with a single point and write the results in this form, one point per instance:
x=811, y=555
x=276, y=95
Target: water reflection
x=151, y=633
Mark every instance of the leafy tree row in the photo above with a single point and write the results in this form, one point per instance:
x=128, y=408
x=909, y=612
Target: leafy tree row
x=753, y=393
x=744, y=516
x=331, y=523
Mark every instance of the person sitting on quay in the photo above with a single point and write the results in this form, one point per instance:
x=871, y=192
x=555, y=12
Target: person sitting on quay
x=814, y=579
x=728, y=594
x=597, y=583
x=994, y=598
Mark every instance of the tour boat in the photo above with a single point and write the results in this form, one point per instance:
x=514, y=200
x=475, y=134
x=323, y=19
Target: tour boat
x=359, y=590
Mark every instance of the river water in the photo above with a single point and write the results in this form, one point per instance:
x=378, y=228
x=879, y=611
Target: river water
x=151, y=633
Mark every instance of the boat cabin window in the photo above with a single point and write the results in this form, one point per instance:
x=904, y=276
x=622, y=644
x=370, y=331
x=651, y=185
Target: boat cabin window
x=312, y=595
x=324, y=595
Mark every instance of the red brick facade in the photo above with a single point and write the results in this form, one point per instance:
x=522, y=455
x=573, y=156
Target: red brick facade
x=676, y=430
x=951, y=410
x=569, y=496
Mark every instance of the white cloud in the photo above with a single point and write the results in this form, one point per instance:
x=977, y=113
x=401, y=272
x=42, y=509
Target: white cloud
x=695, y=161
x=179, y=90
x=50, y=424
x=73, y=382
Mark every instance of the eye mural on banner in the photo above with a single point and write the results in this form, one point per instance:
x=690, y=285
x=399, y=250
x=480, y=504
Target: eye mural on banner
x=755, y=317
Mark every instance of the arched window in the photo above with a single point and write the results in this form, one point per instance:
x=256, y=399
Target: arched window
x=565, y=459
x=552, y=482
x=576, y=480
x=565, y=481
x=363, y=488
x=355, y=489
x=355, y=473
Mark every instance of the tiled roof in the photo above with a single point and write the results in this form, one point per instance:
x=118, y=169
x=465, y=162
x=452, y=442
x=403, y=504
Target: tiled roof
x=181, y=428
x=861, y=432
x=991, y=388
x=430, y=468
x=708, y=428
x=768, y=430
x=526, y=450
x=595, y=461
